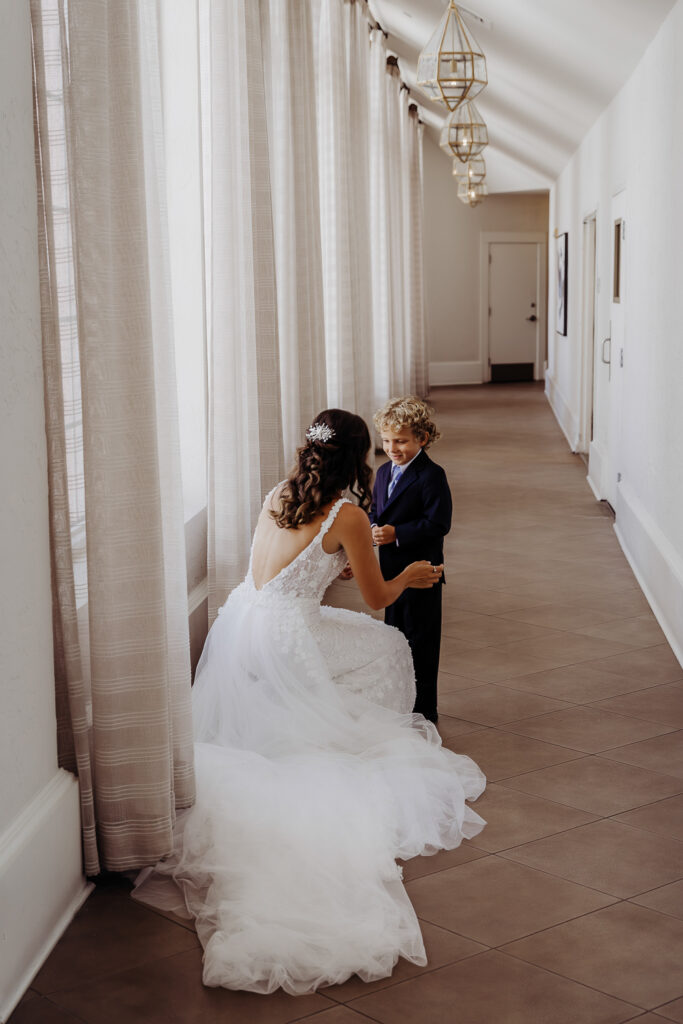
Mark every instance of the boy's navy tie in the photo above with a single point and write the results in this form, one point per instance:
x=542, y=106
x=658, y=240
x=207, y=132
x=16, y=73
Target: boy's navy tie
x=395, y=477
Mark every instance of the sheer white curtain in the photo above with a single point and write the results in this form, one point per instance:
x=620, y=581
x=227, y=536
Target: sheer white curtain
x=413, y=290
x=385, y=383
x=395, y=143
x=245, y=455
x=120, y=610
x=290, y=91
x=357, y=31
x=343, y=54
x=397, y=109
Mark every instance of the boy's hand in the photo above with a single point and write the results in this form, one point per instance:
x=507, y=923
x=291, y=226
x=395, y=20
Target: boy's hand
x=383, y=534
x=346, y=573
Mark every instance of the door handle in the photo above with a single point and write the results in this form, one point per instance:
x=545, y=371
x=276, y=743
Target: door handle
x=533, y=318
x=607, y=341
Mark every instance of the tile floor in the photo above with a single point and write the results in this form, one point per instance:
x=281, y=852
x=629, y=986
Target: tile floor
x=568, y=908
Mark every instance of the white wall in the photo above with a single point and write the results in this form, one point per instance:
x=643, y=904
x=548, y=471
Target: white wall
x=636, y=145
x=451, y=259
x=40, y=858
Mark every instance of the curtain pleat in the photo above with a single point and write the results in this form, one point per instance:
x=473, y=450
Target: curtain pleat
x=122, y=652
x=336, y=204
x=385, y=383
x=358, y=69
x=413, y=291
x=245, y=421
x=290, y=90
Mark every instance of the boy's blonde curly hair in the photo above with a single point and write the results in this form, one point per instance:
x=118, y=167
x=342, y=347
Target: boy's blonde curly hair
x=410, y=412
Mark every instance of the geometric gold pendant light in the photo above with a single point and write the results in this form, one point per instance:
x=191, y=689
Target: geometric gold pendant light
x=464, y=134
x=470, y=193
x=473, y=172
x=452, y=66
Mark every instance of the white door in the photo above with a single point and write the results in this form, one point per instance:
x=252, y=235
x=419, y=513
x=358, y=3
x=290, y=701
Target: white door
x=514, y=310
x=616, y=347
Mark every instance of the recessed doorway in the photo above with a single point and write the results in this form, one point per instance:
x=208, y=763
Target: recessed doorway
x=513, y=314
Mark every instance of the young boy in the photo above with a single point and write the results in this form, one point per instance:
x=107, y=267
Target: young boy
x=410, y=516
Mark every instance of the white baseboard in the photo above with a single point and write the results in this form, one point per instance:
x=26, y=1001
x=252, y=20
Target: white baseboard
x=596, y=461
x=562, y=412
x=41, y=884
x=656, y=565
x=441, y=374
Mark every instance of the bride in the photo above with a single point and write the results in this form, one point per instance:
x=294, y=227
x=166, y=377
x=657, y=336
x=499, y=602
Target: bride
x=313, y=776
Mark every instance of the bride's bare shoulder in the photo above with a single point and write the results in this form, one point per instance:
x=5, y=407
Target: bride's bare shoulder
x=352, y=518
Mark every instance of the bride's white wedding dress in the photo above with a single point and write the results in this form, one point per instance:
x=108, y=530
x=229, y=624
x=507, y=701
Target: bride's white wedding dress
x=312, y=777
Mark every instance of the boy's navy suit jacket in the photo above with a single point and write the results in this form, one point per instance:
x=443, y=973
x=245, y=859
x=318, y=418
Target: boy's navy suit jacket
x=420, y=509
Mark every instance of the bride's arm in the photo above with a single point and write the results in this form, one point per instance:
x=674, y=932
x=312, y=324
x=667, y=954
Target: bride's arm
x=352, y=530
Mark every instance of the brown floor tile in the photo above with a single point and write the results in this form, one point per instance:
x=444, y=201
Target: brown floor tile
x=501, y=755
x=489, y=579
x=586, y=729
x=621, y=605
x=451, y=682
x=416, y=867
x=454, y=651
x=648, y=1018
x=340, y=1014
x=667, y=900
x=442, y=947
x=639, y=631
x=562, y=648
x=494, y=664
x=493, y=705
x=110, y=933
x=39, y=1010
x=514, y=818
x=649, y=664
x=663, y=753
x=665, y=817
x=607, y=856
x=560, y=615
x=448, y=726
x=597, y=785
x=656, y=704
x=564, y=589
x=487, y=602
x=170, y=991
x=671, y=1011
x=489, y=629
x=582, y=683
x=627, y=952
x=493, y=989
x=493, y=901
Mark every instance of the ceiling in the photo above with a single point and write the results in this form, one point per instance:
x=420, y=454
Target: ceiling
x=553, y=66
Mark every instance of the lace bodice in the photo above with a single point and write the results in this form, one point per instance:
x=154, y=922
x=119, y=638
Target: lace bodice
x=311, y=572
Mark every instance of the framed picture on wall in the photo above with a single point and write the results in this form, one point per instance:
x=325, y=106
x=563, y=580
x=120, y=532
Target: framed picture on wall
x=561, y=244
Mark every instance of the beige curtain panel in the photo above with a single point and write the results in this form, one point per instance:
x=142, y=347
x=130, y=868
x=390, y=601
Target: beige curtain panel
x=119, y=581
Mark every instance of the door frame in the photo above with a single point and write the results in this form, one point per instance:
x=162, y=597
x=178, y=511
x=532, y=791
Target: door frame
x=486, y=239
x=589, y=309
x=612, y=468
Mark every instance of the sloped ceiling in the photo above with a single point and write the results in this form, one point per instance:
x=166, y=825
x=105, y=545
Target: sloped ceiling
x=553, y=67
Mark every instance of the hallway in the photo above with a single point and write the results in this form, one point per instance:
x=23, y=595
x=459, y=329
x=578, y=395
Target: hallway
x=557, y=680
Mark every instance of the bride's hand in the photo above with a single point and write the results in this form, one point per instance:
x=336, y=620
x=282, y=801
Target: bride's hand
x=423, y=575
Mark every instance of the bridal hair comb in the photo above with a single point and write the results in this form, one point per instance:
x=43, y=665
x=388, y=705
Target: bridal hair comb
x=319, y=432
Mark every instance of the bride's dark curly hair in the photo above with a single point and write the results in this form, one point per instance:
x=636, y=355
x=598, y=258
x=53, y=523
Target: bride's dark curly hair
x=325, y=469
